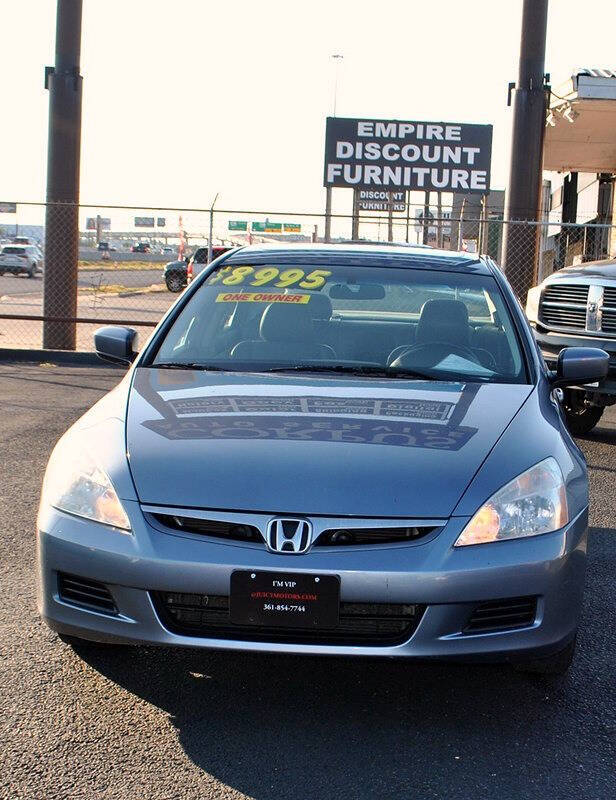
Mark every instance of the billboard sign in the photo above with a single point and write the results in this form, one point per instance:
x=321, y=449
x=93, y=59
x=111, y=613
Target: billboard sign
x=396, y=155
x=105, y=223
x=380, y=200
x=144, y=222
x=8, y=208
x=161, y=222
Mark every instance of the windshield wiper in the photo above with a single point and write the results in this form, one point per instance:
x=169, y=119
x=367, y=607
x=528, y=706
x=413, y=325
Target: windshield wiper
x=186, y=365
x=347, y=369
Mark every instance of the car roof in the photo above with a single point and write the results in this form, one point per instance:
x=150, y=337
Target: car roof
x=373, y=255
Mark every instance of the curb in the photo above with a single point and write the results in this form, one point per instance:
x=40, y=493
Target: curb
x=76, y=358
x=155, y=288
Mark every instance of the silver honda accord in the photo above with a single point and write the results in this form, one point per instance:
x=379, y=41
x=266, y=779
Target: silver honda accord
x=332, y=449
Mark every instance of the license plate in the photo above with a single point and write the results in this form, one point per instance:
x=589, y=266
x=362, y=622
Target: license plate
x=284, y=599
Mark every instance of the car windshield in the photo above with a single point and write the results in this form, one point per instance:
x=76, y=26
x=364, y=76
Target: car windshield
x=380, y=321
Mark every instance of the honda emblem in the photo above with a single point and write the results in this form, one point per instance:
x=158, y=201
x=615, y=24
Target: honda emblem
x=289, y=535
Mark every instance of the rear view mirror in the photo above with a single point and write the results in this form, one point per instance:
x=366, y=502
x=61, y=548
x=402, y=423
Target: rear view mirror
x=357, y=291
x=579, y=365
x=116, y=344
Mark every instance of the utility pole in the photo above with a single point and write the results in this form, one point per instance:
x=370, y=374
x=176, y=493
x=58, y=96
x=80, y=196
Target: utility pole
x=63, y=152
x=525, y=171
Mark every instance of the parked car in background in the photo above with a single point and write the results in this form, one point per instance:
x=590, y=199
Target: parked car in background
x=576, y=307
x=106, y=247
x=178, y=274
x=336, y=449
x=18, y=259
x=141, y=247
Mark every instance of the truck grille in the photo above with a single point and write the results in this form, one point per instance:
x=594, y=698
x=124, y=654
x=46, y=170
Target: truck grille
x=359, y=623
x=564, y=306
x=608, y=324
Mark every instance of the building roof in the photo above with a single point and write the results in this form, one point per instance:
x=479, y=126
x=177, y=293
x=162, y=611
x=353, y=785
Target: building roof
x=595, y=72
x=579, y=136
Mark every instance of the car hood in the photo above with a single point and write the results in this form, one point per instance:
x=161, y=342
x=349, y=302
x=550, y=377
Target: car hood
x=299, y=445
x=588, y=271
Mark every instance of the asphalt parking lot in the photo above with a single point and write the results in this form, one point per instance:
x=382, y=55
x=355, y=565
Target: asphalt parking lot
x=153, y=723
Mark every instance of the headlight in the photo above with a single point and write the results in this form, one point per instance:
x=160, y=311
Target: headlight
x=532, y=303
x=75, y=483
x=535, y=502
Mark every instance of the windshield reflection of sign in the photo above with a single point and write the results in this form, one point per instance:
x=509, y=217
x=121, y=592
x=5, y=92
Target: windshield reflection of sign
x=431, y=424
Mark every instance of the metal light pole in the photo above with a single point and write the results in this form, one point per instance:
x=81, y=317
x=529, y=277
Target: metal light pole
x=525, y=171
x=209, y=242
x=63, y=152
x=337, y=57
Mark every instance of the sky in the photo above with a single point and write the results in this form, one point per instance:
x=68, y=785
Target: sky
x=188, y=98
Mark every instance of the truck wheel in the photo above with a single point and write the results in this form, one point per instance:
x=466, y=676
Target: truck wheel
x=580, y=415
x=174, y=282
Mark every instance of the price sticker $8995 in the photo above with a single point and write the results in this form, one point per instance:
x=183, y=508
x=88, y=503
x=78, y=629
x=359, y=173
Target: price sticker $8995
x=248, y=276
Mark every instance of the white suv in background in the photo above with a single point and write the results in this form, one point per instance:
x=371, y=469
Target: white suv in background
x=17, y=258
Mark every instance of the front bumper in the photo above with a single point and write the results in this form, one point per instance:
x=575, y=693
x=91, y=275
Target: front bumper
x=449, y=582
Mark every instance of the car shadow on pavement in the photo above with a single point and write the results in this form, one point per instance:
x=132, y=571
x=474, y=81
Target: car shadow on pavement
x=315, y=727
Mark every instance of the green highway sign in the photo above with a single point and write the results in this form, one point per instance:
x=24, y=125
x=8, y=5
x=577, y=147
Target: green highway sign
x=258, y=227
x=292, y=227
x=238, y=225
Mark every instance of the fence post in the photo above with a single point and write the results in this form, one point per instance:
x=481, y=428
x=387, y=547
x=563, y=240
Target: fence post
x=426, y=219
x=355, y=219
x=64, y=83
x=328, y=214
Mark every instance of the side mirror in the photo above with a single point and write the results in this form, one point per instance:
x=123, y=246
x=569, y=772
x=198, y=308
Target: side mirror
x=577, y=366
x=116, y=344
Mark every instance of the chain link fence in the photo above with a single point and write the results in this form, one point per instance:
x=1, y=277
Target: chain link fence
x=131, y=262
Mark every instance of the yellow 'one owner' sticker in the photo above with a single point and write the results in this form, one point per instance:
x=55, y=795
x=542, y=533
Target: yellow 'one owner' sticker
x=261, y=297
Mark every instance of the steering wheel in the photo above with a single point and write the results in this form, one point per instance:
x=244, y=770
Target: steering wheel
x=437, y=351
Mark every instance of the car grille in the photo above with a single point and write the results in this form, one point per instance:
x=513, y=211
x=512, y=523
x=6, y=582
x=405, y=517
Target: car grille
x=359, y=536
x=85, y=593
x=564, y=306
x=359, y=623
x=502, y=615
x=333, y=537
x=209, y=527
